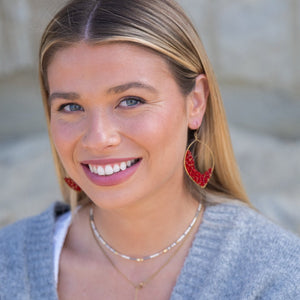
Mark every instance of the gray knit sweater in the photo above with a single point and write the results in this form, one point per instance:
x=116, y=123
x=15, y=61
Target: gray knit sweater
x=236, y=254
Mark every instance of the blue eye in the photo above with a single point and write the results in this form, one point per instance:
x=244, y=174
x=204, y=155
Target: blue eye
x=71, y=107
x=132, y=101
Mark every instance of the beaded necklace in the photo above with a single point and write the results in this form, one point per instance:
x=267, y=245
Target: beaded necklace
x=144, y=258
x=137, y=287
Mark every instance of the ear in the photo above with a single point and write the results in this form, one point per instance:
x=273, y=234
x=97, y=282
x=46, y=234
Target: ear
x=197, y=100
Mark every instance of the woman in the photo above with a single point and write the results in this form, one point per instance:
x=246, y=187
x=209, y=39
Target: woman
x=144, y=159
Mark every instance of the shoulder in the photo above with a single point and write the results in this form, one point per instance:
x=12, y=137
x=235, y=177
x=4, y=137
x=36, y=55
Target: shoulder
x=11, y=234
x=249, y=227
x=262, y=254
x=239, y=254
x=26, y=251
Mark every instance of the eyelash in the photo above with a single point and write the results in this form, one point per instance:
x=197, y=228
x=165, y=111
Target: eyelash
x=63, y=107
x=137, y=99
x=78, y=107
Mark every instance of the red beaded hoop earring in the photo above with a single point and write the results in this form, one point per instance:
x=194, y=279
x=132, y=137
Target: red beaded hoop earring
x=190, y=166
x=71, y=183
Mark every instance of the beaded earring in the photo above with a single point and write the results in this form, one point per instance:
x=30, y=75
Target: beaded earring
x=71, y=183
x=190, y=166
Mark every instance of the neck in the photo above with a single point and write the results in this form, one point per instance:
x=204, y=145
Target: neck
x=147, y=226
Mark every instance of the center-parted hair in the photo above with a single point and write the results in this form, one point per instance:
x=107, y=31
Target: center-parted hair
x=160, y=25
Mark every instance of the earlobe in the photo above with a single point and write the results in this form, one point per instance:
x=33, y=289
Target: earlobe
x=197, y=102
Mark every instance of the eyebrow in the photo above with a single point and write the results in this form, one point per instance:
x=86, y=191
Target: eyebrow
x=124, y=87
x=113, y=90
x=67, y=96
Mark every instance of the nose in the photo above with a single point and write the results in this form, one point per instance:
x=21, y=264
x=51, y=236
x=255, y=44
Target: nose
x=101, y=132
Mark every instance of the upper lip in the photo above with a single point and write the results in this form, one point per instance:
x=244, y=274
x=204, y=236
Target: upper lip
x=107, y=161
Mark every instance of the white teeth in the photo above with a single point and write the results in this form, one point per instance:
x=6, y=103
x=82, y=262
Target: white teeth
x=116, y=168
x=100, y=171
x=109, y=169
x=123, y=166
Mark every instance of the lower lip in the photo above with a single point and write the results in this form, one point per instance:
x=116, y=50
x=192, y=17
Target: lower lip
x=114, y=179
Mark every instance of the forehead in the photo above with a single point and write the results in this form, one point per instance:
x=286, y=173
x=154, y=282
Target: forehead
x=107, y=49
x=107, y=62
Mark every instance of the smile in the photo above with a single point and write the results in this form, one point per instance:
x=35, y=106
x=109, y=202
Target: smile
x=109, y=169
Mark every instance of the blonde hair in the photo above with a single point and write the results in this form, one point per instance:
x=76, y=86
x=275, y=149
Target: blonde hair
x=162, y=26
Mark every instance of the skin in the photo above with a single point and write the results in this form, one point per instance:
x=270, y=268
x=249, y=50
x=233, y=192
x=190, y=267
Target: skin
x=99, y=112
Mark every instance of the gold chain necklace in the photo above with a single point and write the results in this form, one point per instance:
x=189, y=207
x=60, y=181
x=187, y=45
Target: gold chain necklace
x=143, y=283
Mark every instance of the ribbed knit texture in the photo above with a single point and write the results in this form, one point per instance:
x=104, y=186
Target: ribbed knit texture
x=26, y=258
x=236, y=254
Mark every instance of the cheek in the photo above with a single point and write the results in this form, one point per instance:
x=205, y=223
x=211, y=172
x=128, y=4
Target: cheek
x=145, y=128
x=64, y=136
x=160, y=131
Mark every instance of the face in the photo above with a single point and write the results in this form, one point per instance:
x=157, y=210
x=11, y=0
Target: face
x=118, y=121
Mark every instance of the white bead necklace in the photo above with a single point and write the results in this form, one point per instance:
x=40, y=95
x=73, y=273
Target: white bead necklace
x=141, y=259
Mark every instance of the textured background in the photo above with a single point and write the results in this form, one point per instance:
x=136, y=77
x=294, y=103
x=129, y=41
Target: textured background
x=254, y=46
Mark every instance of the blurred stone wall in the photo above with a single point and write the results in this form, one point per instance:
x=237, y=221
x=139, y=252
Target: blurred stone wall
x=21, y=25
x=254, y=47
